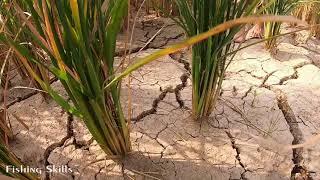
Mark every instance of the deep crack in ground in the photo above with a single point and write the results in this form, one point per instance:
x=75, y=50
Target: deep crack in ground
x=28, y=95
x=299, y=170
x=298, y=138
x=53, y=146
x=70, y=134
x=177, y=91
x=237, y=149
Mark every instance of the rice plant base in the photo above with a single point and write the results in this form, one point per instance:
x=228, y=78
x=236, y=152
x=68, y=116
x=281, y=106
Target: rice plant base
x=208, y=57
x=277, y=7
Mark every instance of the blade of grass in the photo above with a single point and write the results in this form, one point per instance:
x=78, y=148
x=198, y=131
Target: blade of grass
x=196, y=39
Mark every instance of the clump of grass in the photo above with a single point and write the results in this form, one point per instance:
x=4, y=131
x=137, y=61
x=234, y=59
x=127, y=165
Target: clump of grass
x=79, y=37
x=271, y=29
x=208, y=57
x=309, y=11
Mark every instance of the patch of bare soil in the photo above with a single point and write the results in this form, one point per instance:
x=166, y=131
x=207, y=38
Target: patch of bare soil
x=246, y=137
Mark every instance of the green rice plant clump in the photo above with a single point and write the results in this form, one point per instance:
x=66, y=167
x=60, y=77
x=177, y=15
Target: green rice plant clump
x=209, y=56
x=79, y=36
x=271, y=29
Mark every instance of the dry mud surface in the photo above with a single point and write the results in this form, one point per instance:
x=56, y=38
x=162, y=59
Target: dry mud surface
x=266, y=104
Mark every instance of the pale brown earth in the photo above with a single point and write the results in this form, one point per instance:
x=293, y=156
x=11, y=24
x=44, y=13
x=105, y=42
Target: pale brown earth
x=246, y=137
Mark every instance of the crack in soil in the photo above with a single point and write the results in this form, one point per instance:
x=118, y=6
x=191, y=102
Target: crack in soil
x=155, y=105
x=297, y=137
x=180, y=58
x=177, y=91
x=70, y=134
x=298, y=169
x=179, y=88
x=97, y=173
x=250, y=73
x=166, y=41
x=152, y=39
x=27, y=96
x=294, y=75
x=53, y=146
x=266, y=78
x=132, y=51
x=158, y=142
x=247, y=93
x=237, y=149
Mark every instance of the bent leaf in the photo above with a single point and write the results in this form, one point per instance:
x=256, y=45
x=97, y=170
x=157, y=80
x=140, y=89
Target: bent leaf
x=196, y=39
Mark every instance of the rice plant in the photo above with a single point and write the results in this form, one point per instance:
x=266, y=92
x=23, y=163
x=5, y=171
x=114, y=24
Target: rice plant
x=79, y=36
x=309, y=11
x=271, y=29
x=8, y=161
x=208, y=57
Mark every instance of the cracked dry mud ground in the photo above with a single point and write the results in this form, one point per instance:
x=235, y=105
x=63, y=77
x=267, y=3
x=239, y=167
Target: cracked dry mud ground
x=266, y=105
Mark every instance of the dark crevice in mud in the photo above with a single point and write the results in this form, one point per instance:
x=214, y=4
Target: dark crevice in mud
x=287, y=78
x=266, y=78
x=123, y=170
x=97, y=173
x=133, y=50
x=19, y=99
x=164, y=147
x=247, y=93
x=184, y=78
x=155, y=25
x=27, y=96
x=179, y=88
x=251, y=73
x=161, y=131
x=162, y=96
x=82, y=144
x=177, y=91
x=53, y=146
x=237, y=149
x=294, y=75
x=70, y=134
x=180, y=57
x=298, y=169
x=155, y=105
x=150, y=38
x=165, y=42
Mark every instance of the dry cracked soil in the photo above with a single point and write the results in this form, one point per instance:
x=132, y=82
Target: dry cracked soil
x=267, y=104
